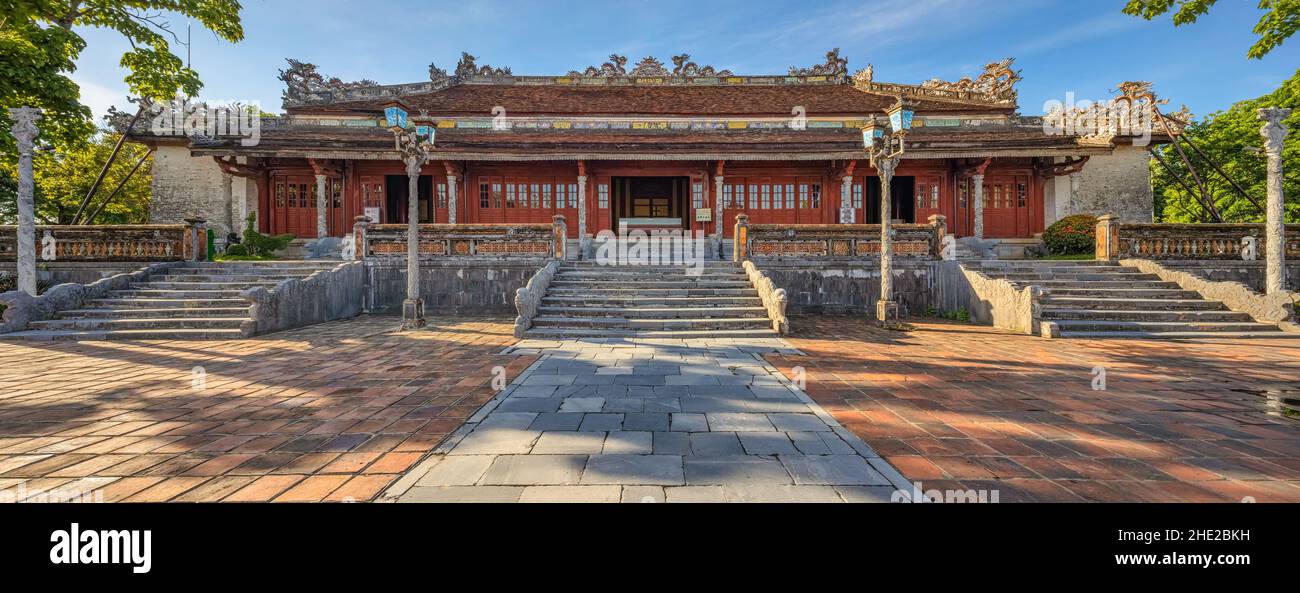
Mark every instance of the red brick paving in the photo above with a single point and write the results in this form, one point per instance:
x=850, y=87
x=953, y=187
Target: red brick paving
x=961, y=406
x=333, y=412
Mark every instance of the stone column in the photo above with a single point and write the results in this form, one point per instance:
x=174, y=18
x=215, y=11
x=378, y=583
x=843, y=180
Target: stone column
x=451, y=199
x=25, y=131
x=1274, y=133
x=1076, y=185
x=582, y=208
x=413, y=306
x=717, y=204
x=228, y=198
x=1107, y=237
x=847, y=214
x=886, y=307
x=322, y=224
x=978, y=205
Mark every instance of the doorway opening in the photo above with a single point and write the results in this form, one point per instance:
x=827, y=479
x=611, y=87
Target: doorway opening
x=650, y=202
x=902, y=203
x=398, y=189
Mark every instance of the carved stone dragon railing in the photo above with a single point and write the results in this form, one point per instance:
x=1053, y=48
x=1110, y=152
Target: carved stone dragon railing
x=529, y=298
x=774, y=299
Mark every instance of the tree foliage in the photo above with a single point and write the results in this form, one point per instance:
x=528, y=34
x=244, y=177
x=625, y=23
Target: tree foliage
x=1231, y=138
x=63, y=177
x=1281, y=18
x=39, y=48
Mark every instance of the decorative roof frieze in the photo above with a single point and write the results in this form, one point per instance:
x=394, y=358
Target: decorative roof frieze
x=997, y=83
x=303, y=82
x=834, y=65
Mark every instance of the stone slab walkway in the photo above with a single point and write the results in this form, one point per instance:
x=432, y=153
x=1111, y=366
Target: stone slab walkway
x=632, y=420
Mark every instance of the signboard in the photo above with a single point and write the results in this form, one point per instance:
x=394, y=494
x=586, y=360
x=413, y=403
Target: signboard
x=372, y=212
x=703, y=215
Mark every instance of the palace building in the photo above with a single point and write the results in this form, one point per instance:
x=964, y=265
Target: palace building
x=677, y=145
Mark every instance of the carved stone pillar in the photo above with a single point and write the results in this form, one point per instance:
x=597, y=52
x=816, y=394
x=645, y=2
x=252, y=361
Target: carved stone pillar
x=24, y=130
x=322, y=226
x=717, y=204
x=847, y=213
x=228, y=199
x=451, y=199
x=582, y=207
x=413, y=306
x=978, y=231
x=1274, y=133
x=886, y=307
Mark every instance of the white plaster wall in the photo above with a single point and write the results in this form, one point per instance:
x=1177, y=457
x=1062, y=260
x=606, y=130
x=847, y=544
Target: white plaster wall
x=185, y=186
x=1119, y=183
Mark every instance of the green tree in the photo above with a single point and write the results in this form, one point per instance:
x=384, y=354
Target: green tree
x=1281, y=18
x=1231, y=139
x=39, y=48
x=64, y=176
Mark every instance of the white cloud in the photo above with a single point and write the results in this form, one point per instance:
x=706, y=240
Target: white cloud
x=99, y=97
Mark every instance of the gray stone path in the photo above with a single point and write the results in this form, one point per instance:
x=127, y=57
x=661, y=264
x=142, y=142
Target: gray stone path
x=695, y=420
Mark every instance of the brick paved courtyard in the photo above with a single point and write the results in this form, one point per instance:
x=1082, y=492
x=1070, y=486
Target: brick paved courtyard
x=332, y=412
x=961, y=406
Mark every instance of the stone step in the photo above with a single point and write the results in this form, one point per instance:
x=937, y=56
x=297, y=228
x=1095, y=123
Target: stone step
x=637, y=285
x=596, y=264
x=121, y=304
x=624, y=275
x=1131, y=304
x=1050, y=263
x=127, y=334
x=226, y=278
x=1146, y=284
x=1054, y=314
x=1179, y=335
x=639, y=301
x=140, y=323
x=648, y=292
x=652, y=324
x=1124, y=293
x=1075, y=325
x=213, y=312
x=201, y=285
x=655, y=312
x=174, y=294
x=565, y=333
x=1033, y=278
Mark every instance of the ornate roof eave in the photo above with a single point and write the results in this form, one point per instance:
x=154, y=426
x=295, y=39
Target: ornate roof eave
x=534, y=156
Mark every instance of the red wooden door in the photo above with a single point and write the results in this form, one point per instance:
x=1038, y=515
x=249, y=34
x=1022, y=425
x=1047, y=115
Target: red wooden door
x=785, y=206
x=440, y=200
x=340, y=223
x=1007, y=207
x=599, y=217
x=373, y=198
x=961, y=222
x=733, y=203
x=929, y=195
x=294, y=209
x=490, y=201
x=566, y=203
x=810, y=201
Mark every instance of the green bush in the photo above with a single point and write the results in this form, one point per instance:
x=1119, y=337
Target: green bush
x=255, y=245
x=1072, y=235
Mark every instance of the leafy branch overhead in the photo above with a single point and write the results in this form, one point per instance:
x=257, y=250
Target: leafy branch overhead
x=40, y=46
x=1281, y=18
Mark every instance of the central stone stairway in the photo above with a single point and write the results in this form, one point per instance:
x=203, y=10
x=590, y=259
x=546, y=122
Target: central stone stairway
x=1099, y=299
x=192, y=301
x=586, y=299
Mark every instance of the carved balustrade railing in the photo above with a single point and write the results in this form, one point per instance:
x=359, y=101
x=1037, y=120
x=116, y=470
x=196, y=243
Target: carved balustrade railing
x=837, y=241
x=110, y=243
x=501, y=241
x=1229, y=241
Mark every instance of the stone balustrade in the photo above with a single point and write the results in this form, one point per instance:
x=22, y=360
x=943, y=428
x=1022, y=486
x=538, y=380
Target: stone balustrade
x=483, y=241
x=1116, y=240
x=110, y=243
x=836, y=241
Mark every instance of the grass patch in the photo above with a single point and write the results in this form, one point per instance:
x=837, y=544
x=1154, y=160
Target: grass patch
x=1070, y=257
x=229, y=257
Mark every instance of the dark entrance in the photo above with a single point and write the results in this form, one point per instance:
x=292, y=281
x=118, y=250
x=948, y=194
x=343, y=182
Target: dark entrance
x=902, y=202
x=658, y=199
x=398, y=188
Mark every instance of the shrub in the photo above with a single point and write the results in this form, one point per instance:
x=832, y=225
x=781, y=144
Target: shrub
x=255, y=245
x=1072, y=235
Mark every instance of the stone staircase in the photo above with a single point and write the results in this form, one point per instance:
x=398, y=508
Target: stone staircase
x=193, y=301
x=1098, y=299
x=590, y=300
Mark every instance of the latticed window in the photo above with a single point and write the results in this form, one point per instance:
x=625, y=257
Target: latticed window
x=279, y=195
x=767, y=197
x=497, y=196
x=697, y=195
x=484, y=195
x=510, y=195
x=789, y=195
x=753, y=196
x=546, y=196
x=726, y=196
x=442, y=195
x=857, y=195
x=573, y=195
x=963, y=195
x=602, y=196
x=920, y=195
x=559, y=195
x=815, y=194
x=536, y=194
x=1023, y=195
x=934, y=196
x=293, y=195
x=778, y=198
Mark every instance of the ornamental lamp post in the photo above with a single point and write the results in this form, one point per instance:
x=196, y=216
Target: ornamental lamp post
x=884, y=152
x=413, y=147
x=25, y=131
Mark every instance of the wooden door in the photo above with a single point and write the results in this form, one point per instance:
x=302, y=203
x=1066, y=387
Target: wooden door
x=490, y=201
x=1007, y=207
x=810, y=201
x=373, y=197
x=929, y=196
x=294, y=209
x=566, y=203
x=733, y=203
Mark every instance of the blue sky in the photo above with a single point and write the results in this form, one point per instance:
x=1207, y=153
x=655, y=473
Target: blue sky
x=1083, y=46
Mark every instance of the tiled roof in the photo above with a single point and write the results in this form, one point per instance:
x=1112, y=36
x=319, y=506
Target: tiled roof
x=668, y=100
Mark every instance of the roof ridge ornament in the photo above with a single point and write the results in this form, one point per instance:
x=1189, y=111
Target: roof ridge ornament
x=303, y=82
x=998, y=82
x=468, y=67
x=650, y=66
x=834, y=65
